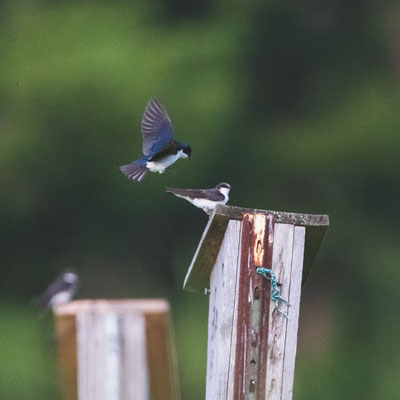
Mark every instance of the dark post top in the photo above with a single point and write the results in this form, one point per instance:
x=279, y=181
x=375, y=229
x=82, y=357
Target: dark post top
x=198, y=275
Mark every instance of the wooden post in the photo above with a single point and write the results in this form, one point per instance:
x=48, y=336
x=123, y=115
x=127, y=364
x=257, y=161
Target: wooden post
x=251, y=347
x=116, y=350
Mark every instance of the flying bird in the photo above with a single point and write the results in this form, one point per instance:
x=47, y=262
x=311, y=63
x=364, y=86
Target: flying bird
x=61, y=290
x=206, y=199
x=160, y=150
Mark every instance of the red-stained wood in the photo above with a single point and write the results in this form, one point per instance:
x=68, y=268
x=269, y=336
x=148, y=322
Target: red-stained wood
x=251, y=346
x=253, y=307
x=198, y=275
x=68, y=357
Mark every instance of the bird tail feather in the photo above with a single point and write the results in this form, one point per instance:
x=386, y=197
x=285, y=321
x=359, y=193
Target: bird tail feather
x=41, y=301
x=176, y=192
x=136, y=171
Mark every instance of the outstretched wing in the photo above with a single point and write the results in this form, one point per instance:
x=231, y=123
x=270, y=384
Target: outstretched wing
x=209, y=194
x=156, y=125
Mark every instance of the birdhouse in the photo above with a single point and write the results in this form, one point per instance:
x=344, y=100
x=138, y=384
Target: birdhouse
x=116, y=349
x=253, y=263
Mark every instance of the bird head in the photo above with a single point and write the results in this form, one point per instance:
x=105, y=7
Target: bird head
x=224, y=188
x=69, y=275
x=186, y=149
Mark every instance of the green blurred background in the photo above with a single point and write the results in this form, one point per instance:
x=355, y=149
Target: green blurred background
x=295, y=104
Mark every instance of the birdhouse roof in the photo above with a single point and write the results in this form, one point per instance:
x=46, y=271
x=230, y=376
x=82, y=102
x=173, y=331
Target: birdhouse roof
x=198, y=275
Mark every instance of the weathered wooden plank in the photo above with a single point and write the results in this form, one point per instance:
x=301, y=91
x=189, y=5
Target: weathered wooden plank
x=253, y=307
x=98, y=355
x=134, y=360
x=124, y=349
x=198, y=275
x=223, y=317
x=281, y=267
x=293, y=313
x=282, y=217
x=251, y=347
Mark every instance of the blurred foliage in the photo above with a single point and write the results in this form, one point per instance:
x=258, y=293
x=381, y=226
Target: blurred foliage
x=294, y=104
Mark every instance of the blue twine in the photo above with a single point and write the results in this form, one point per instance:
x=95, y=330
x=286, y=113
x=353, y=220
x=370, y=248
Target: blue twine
x=275, y=292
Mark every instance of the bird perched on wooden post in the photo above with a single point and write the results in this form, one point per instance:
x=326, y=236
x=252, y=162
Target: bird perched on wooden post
x=61, y=290
x=160, y=150
x=206, y=199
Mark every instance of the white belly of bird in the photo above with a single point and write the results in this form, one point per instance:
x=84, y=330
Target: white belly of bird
x=161, y=165
x=206, y=204
x=59, y=298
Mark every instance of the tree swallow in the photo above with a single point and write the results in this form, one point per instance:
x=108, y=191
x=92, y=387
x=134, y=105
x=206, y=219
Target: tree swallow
x=207, y=199
x=160, y=150
x=61, y=290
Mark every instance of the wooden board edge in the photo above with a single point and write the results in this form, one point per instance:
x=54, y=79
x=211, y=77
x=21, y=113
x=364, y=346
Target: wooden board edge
x=66, y=331
x=282, y=217
x=198, y=275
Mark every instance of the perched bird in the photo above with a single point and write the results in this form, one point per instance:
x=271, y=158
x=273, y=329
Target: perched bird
x=207, y=199
x=61, y=290
x=160, y=150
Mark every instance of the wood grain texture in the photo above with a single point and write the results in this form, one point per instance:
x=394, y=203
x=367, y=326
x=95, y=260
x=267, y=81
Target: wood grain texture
x=293, y=313
x=223, y=317
x=282, y=217
x=252, y=348
x=198, y=275
x=281, y=267
x=253, y=307
x=124, y=349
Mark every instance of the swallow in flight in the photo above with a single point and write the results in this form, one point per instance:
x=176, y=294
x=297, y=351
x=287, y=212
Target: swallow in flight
x=160, y=150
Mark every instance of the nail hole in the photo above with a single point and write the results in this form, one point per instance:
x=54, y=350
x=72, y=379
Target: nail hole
x=253, y=362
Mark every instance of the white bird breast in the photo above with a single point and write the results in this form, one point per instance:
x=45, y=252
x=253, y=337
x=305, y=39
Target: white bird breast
x=206, y=204
x=59, y=298
x=161, y=165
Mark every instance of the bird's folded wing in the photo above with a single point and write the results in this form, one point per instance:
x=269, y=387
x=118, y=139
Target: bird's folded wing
x=57, y=286
x=209, y=194
x=161, y=150
x=156, y=125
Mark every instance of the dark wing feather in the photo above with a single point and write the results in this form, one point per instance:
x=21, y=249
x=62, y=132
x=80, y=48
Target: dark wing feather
x=156, y=125
x=210, y=194
x=165, y=149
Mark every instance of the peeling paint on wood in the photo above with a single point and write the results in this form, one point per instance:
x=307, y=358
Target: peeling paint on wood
x=198, y=275
x=253, y=307
x=251, y=348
